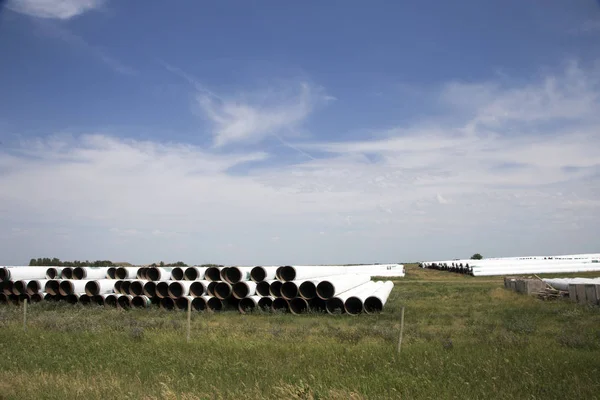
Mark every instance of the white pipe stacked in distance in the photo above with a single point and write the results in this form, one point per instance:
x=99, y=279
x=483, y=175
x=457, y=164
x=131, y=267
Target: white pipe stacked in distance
x=100, y=286
x=261, y=273
x=355, y=303
x=194, y=273
x=126, y=272
x=90, y=273
x=297, y=272
x=514, y=269
x=563, y=283
x=329, y=288
x=17, y=273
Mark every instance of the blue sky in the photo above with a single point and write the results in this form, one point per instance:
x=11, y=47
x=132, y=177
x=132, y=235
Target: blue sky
x=298, y=132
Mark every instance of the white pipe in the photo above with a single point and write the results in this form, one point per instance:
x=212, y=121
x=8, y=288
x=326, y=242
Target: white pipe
x=194, y=273
x=36, y=285
x=137, y=287
x=199, y=303
x=275, y=288
x=280, y=305
x=332, y=287
x=111, y=300
x=99, y=286
x=213, y=274
x=199, y=288
x=84, y=299
x=73, y=298
x=37, y=297
x=222, y=290
x=71, y=286
x=127, y=272
x=354, y=303
x=177, y=274
x=52, y=287
x=260, y=273
x=375, y=302
x=298, y=305
x=53, y=272
x=223, y=273
x=7, y=287
x=336, y=304
x=179, y=288
x=111, y=273
x=537, y=269
x=183, y=302
x=291, y=289
x=124, y=301
x=210, y=288
x=66, y=273
x=101, y=298
x=159, y=273
x=262, y=288
x=213, y=303
x=126, y=286
x=141, y=301
x=17, y=273
x=563, y=283
x=149, y=288
x=238, y=274
x=162, y=289
x=265, y=302
x=248, y=304
x=297, y=272
x=20, y=287
x=243, y=289
x=90, y=273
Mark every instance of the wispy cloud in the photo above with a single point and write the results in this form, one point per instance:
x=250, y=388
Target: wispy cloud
x=55, y=9
x=251, y=117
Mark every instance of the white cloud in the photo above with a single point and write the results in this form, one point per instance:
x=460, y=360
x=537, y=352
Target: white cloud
x=57, y=9
x=516, y=170
x=251, y=117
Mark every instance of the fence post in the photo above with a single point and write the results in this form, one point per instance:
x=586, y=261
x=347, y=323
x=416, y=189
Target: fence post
x=401, y=329
x=25, y=315
x=189, y=320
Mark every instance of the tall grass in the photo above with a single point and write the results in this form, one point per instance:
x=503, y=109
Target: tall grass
x=464, y=338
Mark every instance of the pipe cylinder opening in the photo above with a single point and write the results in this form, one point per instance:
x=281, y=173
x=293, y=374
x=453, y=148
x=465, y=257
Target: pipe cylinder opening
x=240, y=290
x=214, y=304
x=125, y=286
x=67, y=273
x=298, y=305
x=199, y=304
x=111, y=301
x=262, y=288
x=98, y=300
x=325, y=290
x=150, y=289
x=176, y=290
x=112, y=273
x=177, y=274
x=335, y=306
x=20, y=287
x=246, y=305
x=167, y=303
x=85, y=299
x=289, y=290
x=79, y=273
x=317, y=305
x=162, y=289
x=153, y=274
x=137, y=288
x=52, y=273
x=287, y=273
x=233, y=275
x=197, y=289
x=33, y=287
x=353, y=305
x=307, y=290
x=223, y=274
x=191, y=274
x=182, y=303
x=124, y=301
x=66, y=288
x=117, y=286
x=222, y=290
x=280, y=305
x=275, y=288
x=373, y=305
x=52, y=287
x=92, y=288
x=140, y=301
x=72, y=298
x=36, y=297
x=258, y=274
x=265, y=303
x=212, y=274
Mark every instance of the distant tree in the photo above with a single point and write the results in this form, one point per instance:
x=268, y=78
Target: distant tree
x=32, y=262
x=476, y=256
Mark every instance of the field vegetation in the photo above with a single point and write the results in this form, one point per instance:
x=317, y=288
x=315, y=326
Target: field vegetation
x=464, y=338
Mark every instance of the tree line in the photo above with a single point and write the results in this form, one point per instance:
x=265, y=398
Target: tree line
x=56, y=262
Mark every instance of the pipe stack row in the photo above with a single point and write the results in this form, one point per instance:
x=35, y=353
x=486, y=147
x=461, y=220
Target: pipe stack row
x=519, y=265
x=295, y=289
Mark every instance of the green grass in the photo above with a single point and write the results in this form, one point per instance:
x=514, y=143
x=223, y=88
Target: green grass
x=464, y=338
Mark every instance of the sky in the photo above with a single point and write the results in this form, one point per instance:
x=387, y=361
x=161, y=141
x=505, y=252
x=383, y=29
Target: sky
x=315, y=132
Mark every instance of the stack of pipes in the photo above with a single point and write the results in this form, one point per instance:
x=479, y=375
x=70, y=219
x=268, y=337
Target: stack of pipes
x=519, y=265
x=295, y=289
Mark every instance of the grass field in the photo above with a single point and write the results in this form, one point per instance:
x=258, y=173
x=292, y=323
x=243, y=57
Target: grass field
x=464, y=338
